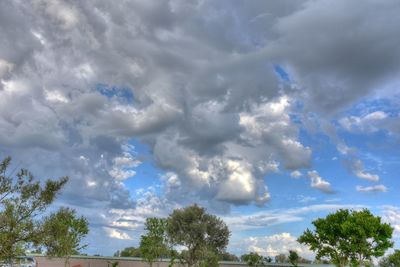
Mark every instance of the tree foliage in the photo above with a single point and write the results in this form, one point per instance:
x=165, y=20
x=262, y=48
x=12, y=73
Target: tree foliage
x=64, y=233
x=293, y=257
x=209, y=259
x=199, y=232
x=153, y=245
x=129, y=252
x=349, y=237
x=392, y=260
x=253, y=259
x=226, y=256
x=23, y=201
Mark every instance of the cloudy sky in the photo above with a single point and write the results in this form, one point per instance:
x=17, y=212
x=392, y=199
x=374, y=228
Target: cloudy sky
x=268, y=113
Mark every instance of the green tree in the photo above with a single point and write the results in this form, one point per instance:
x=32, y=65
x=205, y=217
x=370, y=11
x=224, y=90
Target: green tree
x=281, y=258
x=153, y=245
x=198, y=231
x=349, y=237
x=64, y=233
x=226, y=256
x=130, y=252
x=209, y=259
x=293, y=257
x=22, y=201
x=392, y=260
x=252, y=259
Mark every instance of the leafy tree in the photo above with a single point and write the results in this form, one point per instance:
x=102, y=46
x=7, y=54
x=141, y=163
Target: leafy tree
x=392, y=260
x=64, y=233
x=252, y=259
x=130, y=252
x=198, y=231
x=293, y=257
x=22, y=201
x=226, y=256
x=349, y=237
x=209, y=259
x=281, y=258
x=153, y=245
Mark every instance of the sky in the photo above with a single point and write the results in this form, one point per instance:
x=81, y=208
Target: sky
x=269, y=114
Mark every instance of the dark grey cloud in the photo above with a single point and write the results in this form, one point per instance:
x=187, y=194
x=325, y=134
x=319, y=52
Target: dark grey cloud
x=339, y=52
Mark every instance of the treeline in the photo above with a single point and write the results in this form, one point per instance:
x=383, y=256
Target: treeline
x=343, y=238
x=135, y=252
x=205, y=237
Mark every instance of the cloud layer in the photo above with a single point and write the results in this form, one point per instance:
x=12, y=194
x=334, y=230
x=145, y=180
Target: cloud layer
x=219, y=92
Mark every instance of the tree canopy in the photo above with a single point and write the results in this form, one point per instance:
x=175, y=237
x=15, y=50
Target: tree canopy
x=393, y=260
x=293, y=257
x=199, y=232
x=253, y=259
x=22, y=202
x=63, y=233
x=226, y=256
x=153, y=245
x=129, y=252
x=348, y=237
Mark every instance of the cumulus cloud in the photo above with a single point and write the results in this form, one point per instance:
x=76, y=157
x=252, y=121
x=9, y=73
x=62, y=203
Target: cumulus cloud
x=319, y=183
x=391, y=214
x=276, y=244
x=375, y=188
x=371, y=123
x=209, y=95
x=113, y=233
x=367, y=123
x=296, y=174
x=358, y=169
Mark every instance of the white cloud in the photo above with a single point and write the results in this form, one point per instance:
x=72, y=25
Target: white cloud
x=122, y=168
x=319, y=183
x=305, y=199
x=367, y=176
x=367, y=123
x=240, y=186
x=113, y=233
x=375, y=188
x=275, y=244
x=266, y=218
x=391, y=214
x=296, y=174
x=358, y=169
x=67, y=15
